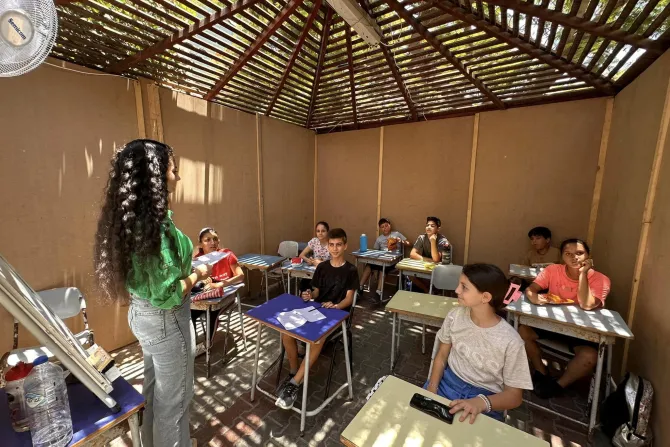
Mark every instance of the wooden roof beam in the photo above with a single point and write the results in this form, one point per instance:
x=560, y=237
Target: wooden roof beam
x=423, y=32
x=294, y=55
x=390, y=60
x=350, y=63
x=263, y=37
x=528, y=48
x=319, y=67
x=180, y=36
x=581, y=24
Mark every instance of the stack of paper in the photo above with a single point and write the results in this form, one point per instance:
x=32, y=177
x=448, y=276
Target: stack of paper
x=293, y=319
x=209, y=259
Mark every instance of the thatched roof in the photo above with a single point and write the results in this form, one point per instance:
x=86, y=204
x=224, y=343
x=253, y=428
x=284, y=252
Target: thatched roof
x=299, y=61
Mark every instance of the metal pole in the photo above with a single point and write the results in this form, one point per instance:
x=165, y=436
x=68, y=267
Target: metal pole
x=255, y=371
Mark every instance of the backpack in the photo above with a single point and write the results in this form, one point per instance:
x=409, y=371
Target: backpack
x=626, y=412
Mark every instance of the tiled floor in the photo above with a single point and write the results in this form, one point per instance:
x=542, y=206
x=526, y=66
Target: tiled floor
x=223, y=414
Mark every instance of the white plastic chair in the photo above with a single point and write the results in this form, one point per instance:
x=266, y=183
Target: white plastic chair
x=287, y=249
x=444, y=277
x=65, y=302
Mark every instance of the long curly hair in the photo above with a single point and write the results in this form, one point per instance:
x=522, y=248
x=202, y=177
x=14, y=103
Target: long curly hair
x=131, y=220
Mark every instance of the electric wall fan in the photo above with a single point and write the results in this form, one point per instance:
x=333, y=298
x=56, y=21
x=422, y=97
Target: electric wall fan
x=27, y=34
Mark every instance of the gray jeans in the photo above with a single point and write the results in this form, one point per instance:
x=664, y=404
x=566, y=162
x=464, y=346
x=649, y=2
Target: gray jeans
x=168, y=344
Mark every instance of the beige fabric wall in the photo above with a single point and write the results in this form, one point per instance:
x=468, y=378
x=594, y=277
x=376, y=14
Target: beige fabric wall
x=216, y=152
x=535, y=166
x=635, y=123
x=59, y=131
x=288, y=183
x=348, y=166
x=635, y=130
x=426, y=173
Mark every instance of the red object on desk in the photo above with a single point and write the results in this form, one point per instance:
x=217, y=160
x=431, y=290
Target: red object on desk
x=296, y=261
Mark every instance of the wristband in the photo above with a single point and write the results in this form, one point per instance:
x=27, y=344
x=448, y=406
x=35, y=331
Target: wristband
x=486, y=401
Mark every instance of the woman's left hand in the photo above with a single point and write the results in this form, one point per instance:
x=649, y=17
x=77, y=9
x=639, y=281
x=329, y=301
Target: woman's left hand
x=470, y=407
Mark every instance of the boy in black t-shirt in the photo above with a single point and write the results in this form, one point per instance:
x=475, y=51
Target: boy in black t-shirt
x=333, y=285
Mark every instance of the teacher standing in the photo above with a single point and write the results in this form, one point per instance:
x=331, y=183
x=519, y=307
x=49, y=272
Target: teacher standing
x=140, y=253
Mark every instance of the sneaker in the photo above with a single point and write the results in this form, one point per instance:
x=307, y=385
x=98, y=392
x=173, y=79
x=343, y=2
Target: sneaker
x=548, y=388
x=538, y=378
x=283, y=384
x=288, y=396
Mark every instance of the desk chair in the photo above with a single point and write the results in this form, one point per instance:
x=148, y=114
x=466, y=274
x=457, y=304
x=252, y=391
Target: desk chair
x=65, y=302
x=444, y=277
x=287, y=249
x=332, y=340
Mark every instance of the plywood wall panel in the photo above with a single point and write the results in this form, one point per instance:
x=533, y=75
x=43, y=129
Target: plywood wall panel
x=347, y=182
x=535, y=166
x=426, y=170
x=288, y=182
x=59, y=131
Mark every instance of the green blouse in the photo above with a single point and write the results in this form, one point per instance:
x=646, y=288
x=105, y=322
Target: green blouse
x=157, y=279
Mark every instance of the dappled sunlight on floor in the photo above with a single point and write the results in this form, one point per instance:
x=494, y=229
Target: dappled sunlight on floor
x=222, y=413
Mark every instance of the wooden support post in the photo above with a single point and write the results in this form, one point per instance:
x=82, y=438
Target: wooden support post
x=316, y=172
x=379, y=184
x=155, y=116
x=259, y=157
x=647, y=217
x=139, y=107
x=471, y=188
x=600, y=170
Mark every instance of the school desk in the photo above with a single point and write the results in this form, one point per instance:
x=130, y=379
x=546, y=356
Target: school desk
x=421, y=308
x=298, y=271
x=263, y=263
x=387, y=420
x=602, y=326
x=91, y=419
x=231, y=296
x=311, y=332
x=414, y=268
x=382, y=258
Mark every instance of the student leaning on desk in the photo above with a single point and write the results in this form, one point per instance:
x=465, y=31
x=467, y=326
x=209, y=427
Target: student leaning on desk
x=428, y=248
x=334, y=283
x=225, y=273
x=140, y=252
x=574, y=282
x=481, y=365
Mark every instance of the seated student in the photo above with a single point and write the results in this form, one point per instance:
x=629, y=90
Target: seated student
x=226, y=272
x=428, y=248
x=318, y=246
x=480, y=365
x=398, y=242
x=578, y=281
x=333, y=285
x=542, y=251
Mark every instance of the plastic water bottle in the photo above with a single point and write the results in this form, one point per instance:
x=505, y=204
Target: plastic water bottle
x=364, y=243
x=47, y=405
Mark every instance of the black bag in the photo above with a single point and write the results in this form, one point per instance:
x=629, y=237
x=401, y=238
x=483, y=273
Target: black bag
x=625, y=413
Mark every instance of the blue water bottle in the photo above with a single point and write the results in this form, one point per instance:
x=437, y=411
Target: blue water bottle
x=364, y=243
